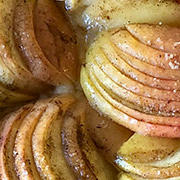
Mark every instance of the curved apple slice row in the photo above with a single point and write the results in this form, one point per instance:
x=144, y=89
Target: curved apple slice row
x=46, y=142
x=72, y=150
x=116, y=57
x=9, y=130
x=25, y=37
x=10, y=58
x=119, y=104
x=127, y=82
x=127, y=43
x=162, y=37
x=118, y=116
x=24, y=162
x=140, y=103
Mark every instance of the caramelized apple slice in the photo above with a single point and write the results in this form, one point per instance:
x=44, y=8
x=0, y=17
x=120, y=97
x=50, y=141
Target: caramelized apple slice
x=9, y=128
x=46, y=142
x=72, y=151
x=14, y=68
x=24, y=161
x=97, y=101
x=144, y=149
x=59, y=46
x=118, y=59
x=133, y=100
x=127, y=43
x=131, y=109
x=100, y=167
x=25, y=37
x=162, y=37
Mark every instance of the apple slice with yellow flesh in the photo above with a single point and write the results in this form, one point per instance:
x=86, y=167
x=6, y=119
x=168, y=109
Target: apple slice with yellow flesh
x=127, y=43
x=59, y=46
x=131, y=109
x=9, y=128
x=24, y=161
x=30, y=49
x=98, y=102
x=144, y=149
x=72, y=151
x=167, y=167
x=162, y=37
x=132, y=85
x=47, y=146
x=140, y=103
x=116, y=57
x=12, y=63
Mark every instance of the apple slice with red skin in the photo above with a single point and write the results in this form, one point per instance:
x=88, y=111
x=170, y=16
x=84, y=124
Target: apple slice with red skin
x=9, y=128
x=24, y=161
x=117, y=59
x=130, y=99
x=98, y=102
x=163, y=37
x=127, y=43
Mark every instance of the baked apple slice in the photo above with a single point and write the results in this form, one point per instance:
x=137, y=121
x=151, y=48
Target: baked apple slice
x=162, y=37
x=145, y=149
x=72, y=151
x=127, y=43
x=24, y=161
x=132, y=110
x=14, y=70
x=46, y=142
x=9, y=129
x=98, y=102
x=168, y=167
x=118, y=59
x=30, y=49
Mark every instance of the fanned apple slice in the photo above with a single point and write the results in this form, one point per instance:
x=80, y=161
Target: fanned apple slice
x=10, y=56
x=126, y=82
x=24, y=161
x=145, y=149
x=100, y=167
x=98, y=102
x=46, y=142
x=162, y=37
x=60, y=46
x=117, y=59
x=25, y=37
x=127, y=43
x=9, y=129
x=72, y=150
x=133, y=100
x=96, y=54
x=131, y=111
